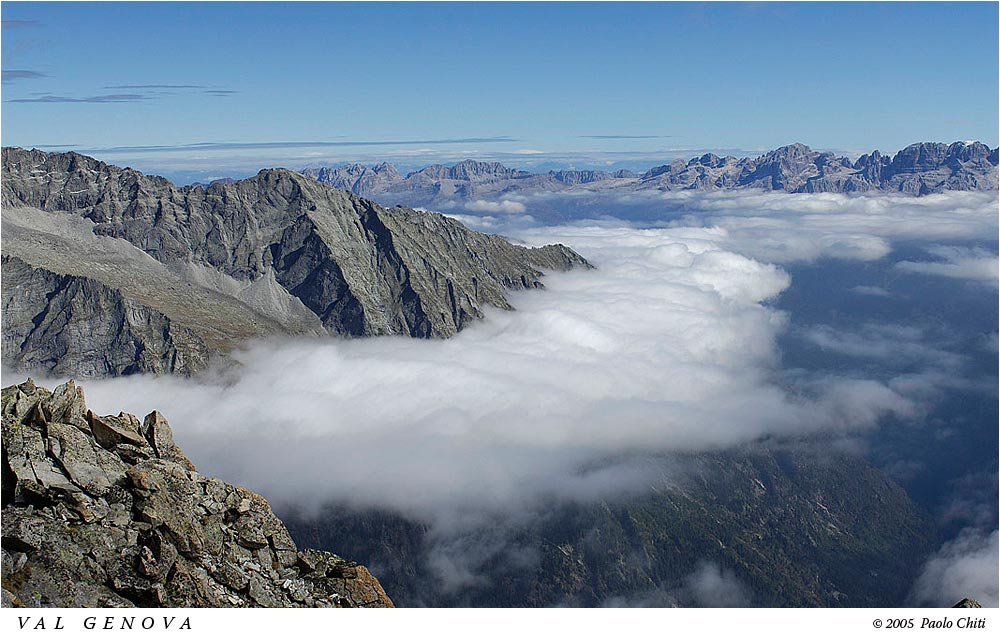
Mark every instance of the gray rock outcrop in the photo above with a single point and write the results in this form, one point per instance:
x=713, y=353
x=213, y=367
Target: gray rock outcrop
x=572, y=178
x=106, y=511
x=189, y=272
x=359, y=179
x=48, y=315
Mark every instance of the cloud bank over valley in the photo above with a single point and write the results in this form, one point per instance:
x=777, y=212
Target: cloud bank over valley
x=673, y=344
x=670, y=345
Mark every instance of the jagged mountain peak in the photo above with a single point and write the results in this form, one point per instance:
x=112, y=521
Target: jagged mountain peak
x=918, y=169
x=790, y=150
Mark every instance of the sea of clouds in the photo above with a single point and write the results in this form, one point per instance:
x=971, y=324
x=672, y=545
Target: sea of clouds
x=669, y=345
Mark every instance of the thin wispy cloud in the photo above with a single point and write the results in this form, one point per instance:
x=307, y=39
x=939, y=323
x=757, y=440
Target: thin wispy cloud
x=709, y=585
x=893, y=344
x=114, y=98
x=18, y=24
x=137, y=93
x=155, y=86
x=712, y=586
x=957, y=262
x=231, y=146
x=194, y=88
x=21, y=74
x=626, y=137
x=870, y=291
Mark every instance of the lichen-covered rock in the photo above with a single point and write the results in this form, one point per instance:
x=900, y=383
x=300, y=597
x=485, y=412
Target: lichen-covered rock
x=105, y=511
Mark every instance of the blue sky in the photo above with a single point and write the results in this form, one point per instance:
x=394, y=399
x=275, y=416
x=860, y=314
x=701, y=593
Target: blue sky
x=556, y=83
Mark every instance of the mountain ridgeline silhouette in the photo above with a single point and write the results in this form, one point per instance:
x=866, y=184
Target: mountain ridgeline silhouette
x=918, y=169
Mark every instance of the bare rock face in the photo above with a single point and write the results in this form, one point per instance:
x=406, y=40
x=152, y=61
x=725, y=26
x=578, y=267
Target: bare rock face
x=361, y=180
x=106, y=511
x=188, y=272
x=929, y=167
x=48, y=315
x=573, y=178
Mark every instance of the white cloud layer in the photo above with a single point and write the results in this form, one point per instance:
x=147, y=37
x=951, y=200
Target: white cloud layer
x=667, y=346
x=785, y=228
x=711, y=586
x=957, y=262
x=894, y=343
x=870, y=291
x=505, y=206
x=967, y=567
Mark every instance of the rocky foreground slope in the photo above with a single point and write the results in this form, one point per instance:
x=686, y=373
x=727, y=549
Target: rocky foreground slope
x=108, y=271
x=919, y=169
x=106, y=511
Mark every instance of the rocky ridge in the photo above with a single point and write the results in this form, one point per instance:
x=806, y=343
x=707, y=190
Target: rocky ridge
x=193, y=271
x=106, y=511
x=919, y=169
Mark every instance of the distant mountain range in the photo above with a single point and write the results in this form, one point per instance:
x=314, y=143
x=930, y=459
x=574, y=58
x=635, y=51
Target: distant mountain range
x=107, y=271
x=919, y=169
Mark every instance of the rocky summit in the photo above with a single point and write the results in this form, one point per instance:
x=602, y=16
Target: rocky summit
x=106, y=511
x=108, y=271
